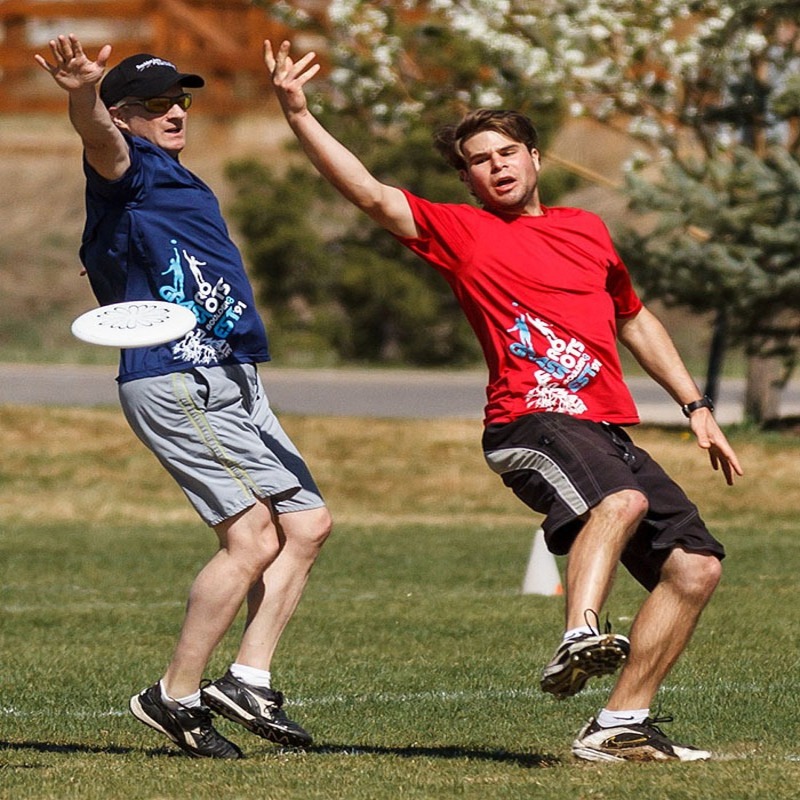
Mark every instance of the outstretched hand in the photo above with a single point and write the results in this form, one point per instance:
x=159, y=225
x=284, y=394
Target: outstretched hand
x=289, y=77
x=73, y=68
x=711, y=438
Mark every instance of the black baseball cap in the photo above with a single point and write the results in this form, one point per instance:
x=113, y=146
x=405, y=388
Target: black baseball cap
x=143, y=75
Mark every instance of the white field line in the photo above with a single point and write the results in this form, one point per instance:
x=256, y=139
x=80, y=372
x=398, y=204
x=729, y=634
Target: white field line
x=107, y=605
x=397, y=698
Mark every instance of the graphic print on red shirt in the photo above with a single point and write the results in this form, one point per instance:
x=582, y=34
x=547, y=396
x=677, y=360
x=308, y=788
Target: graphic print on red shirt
x=562, y=370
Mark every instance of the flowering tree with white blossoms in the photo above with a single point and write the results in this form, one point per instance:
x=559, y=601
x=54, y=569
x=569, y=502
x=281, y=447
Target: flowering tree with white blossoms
x=711, y=89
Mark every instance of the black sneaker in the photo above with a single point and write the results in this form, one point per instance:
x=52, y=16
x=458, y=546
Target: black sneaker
x=189, y=728
x=642, y=742
x=257, y=708
x=587, y=656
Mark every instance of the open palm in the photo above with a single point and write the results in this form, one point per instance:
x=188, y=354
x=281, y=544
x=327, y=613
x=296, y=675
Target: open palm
x=73, y=69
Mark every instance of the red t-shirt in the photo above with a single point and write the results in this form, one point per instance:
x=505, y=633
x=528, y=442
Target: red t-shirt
x=542, y=295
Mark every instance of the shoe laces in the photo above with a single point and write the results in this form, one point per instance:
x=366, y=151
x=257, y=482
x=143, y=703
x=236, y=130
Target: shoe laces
x=590, y=614
x=276, y=698
x=198, y=716
x=654, y=722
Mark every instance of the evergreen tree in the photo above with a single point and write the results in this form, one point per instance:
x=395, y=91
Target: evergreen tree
x=727, y=201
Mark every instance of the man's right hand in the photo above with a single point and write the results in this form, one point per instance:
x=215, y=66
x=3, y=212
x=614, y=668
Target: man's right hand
x=73, y=70
x=289, y=77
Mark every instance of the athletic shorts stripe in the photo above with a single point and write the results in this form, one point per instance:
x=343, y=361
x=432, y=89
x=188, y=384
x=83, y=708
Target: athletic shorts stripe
x=206, y=434
x=517, y=458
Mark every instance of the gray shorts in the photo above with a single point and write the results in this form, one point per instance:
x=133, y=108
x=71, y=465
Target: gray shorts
x=213, y=430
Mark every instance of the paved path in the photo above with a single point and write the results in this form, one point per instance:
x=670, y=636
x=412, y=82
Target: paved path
x=348, y=392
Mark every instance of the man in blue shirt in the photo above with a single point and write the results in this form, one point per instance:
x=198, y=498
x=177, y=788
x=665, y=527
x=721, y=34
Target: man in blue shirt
x=154, y=232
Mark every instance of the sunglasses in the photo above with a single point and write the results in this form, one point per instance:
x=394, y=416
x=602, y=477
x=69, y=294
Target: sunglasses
x=160, y=105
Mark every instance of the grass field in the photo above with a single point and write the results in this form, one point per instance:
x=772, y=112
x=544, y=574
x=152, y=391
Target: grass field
x=414, y=658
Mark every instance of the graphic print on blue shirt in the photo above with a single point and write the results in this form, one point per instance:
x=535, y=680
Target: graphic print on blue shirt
x=562, y=366
x=216, y=310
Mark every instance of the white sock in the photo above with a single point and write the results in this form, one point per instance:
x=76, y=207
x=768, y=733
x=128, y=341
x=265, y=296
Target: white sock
x=614, y=719
x=574, y=633
x=252, y=675
x=190, y=701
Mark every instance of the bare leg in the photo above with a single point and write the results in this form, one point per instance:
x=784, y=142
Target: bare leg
x=272, y=600
x=664, y=625
x=249, y=543
x=594, y=555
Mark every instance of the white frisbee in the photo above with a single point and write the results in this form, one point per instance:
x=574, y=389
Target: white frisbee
x=135, y=323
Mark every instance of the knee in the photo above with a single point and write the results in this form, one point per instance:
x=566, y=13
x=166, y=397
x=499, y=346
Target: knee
x=696, y=575
x=260, y=548
x=628, y=506
x=709, y=574
x=251, y=540
x=307, y=529
x=319, y=529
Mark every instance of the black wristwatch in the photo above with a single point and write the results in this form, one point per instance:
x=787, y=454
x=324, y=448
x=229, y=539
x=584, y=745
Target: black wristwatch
x=704, y=402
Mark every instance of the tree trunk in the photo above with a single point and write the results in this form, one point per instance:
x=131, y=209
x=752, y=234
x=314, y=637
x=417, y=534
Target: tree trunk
x=716, y=355
x=763, y=391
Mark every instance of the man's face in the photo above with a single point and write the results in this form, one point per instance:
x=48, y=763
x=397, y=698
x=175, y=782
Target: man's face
x=166, y=130
x=501, y=173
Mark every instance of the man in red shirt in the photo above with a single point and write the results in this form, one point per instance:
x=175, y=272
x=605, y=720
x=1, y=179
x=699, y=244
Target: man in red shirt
x=548, y=297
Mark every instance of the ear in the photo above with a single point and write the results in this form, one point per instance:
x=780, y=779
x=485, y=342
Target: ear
x=117, y=120
x=536, y=158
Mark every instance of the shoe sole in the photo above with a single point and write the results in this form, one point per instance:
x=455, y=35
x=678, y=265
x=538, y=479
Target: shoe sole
x=219, y=702
x=649, y=755
x=138, y=711
x=587, y=754
x=592, y=662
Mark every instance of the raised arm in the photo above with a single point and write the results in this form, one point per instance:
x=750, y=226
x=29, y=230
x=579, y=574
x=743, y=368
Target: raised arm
x=652, y=347
x=104, y=144
x=387, y=205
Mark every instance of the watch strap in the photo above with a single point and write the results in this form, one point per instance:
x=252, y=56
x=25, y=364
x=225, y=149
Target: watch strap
x=704, y=402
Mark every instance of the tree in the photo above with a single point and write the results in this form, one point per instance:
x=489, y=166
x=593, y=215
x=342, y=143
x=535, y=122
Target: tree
x=730, y=180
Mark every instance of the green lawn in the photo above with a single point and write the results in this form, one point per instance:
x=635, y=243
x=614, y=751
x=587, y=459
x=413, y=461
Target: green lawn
x=413, y=659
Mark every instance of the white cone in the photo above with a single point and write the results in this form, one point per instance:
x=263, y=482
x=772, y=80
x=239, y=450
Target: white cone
x=542, y=576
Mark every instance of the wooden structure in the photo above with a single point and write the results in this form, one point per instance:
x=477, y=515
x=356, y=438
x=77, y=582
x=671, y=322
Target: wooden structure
x=221, y=40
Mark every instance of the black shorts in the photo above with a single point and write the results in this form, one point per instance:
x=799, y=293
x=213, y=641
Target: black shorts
x=562, y=467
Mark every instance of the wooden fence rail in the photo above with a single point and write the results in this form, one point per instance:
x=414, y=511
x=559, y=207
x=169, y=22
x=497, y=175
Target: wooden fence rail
x=221, y=40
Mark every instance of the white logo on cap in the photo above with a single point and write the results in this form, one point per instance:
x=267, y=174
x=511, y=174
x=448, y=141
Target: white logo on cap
x=155, y=62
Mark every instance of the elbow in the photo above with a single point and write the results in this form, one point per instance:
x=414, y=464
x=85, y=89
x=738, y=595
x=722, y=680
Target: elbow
x=367, y=195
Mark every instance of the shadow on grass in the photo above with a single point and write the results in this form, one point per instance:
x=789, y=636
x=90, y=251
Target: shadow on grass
x=51, y=747
x=527, y=760
x=110, y=750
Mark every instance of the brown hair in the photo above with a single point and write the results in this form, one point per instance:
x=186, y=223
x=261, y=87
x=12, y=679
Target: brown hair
x=450, y=139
